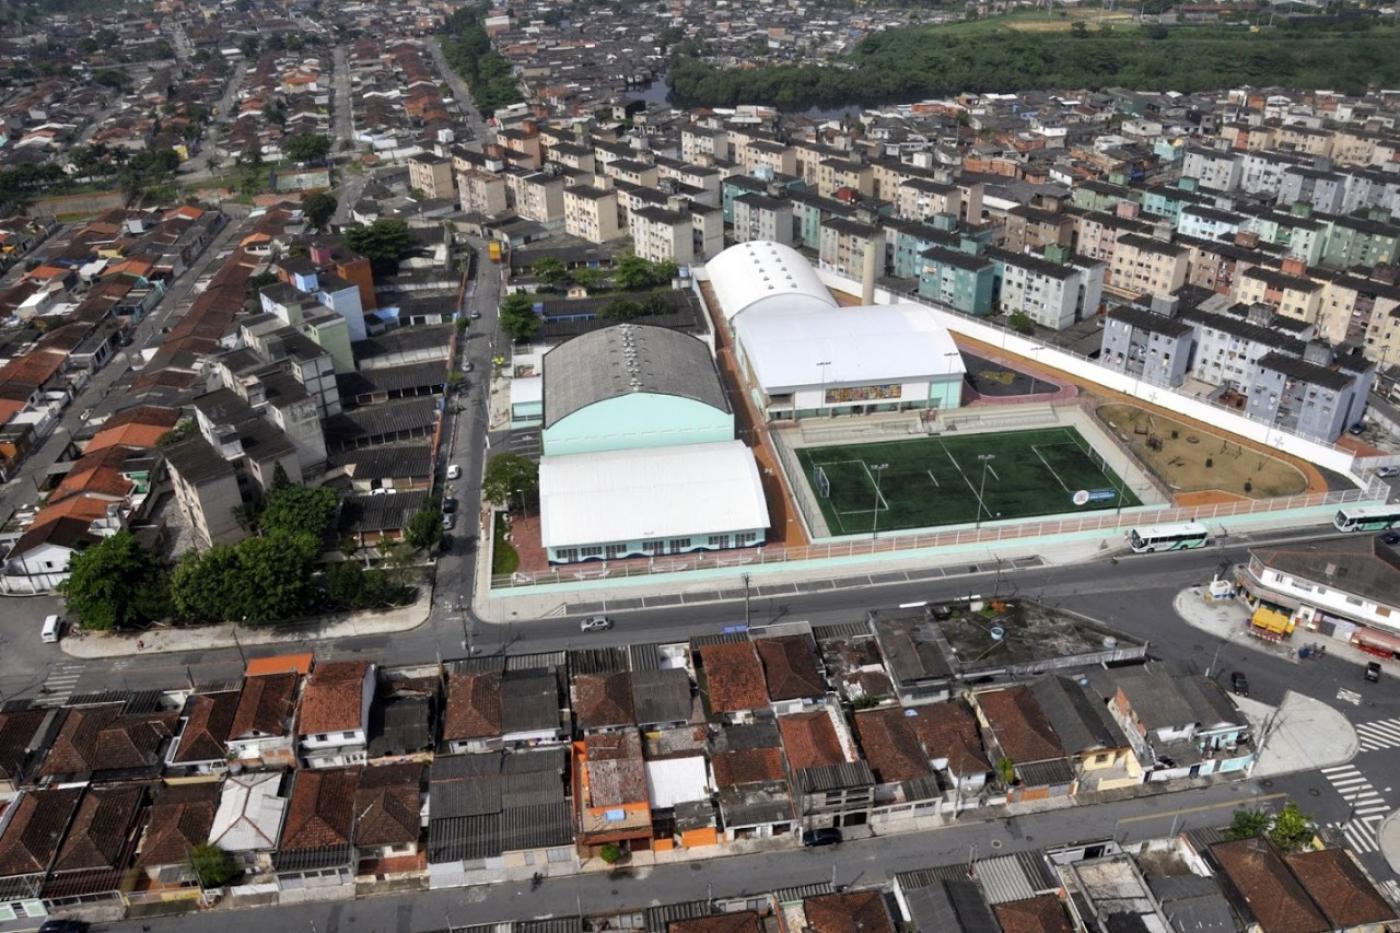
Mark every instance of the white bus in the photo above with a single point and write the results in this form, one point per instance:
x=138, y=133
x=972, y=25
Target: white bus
x=1367, y=518
x=1168, y=537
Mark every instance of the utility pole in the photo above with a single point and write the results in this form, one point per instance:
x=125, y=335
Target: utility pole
x=982, y=487
x=746, y=601
x=878, y=469
x=822, y=404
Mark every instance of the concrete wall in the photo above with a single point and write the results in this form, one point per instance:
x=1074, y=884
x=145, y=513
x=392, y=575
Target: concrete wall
x=1321, y=454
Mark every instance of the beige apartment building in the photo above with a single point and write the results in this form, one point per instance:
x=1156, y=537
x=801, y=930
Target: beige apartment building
x=591, y=213
x=843, y=244
x=920, y=199
x=704, y=145
x=1146, y=266
x=835, y=174
x=763, y=153
x=538, y=196
x=659, y=235
x=431, y=174
x=482, y=193
x=1289, y=291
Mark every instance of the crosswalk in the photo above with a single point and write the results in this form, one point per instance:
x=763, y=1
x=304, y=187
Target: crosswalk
x=1349, y=696
x=1382, y=733
x=1368, y=808
x=62, y=680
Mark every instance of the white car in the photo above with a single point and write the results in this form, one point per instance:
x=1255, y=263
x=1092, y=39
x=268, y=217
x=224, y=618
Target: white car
x=595, y=624
x=454, y=471
x=1387, y=472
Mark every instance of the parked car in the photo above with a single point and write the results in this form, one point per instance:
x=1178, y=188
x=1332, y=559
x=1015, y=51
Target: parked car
x=468, y=366
x=826, y=836
x=1392, y=537
x=1388, y=472
x=1358, y=428
x=63, y=926
x=448, y=521
x=1373, y=671
x=454, y=471
x=475, y=314
x=52, y=631
x=1239, y=684
x=449, y=505
x=595, y=624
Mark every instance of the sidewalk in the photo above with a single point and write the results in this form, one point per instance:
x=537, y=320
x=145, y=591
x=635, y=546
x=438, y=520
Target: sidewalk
x=1389, y=838
x=1302, y=734
x=374, y=622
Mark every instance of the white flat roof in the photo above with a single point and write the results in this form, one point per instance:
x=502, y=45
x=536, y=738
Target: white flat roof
x=250, y=812
x=677, y=780
x=690, y=490
x=862, y=346
x=525, y=389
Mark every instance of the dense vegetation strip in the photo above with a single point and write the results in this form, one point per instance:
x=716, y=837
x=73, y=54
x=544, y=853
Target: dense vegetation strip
x=468, y=50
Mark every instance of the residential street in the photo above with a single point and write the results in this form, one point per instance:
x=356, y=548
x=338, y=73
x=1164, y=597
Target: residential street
x=855, y=863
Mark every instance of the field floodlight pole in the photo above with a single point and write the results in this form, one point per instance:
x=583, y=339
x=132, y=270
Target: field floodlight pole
x=821, y=405
x=982, y=487
x=878, y=469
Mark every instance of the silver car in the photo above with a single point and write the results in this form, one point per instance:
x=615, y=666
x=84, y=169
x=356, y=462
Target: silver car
x=595, y=624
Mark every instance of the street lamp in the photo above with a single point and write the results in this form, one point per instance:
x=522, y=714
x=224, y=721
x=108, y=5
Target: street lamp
x=986, y=461
x=878, y=469
x=821, y=405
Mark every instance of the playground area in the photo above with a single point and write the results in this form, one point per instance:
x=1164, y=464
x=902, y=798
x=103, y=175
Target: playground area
x=1188, y=459
x=991, y=379
x=956, y=479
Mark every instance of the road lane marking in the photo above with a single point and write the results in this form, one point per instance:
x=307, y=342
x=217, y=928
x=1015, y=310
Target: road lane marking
x=1227, y=804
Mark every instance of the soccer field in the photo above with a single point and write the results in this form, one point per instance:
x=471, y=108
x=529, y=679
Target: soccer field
x=939, y=480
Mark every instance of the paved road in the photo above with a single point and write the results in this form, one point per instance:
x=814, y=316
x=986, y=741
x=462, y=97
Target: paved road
x=460, y=92
x=344, y=120
x=855, y=863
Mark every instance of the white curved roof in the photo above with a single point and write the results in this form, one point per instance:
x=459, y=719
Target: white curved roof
x=761, y=271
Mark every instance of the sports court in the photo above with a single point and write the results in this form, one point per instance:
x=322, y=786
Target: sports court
x=952, y=480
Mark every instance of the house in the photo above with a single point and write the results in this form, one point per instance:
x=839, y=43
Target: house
x=261, y=731
x=1262, y=888
x=34, y=827
x=663, y=697
x=100, y=843
x=333, y=718
x=906, y=785
x=317, y=832
x=111, y=741
x=402, y=720
x=1101, y=753
x=1180, y=725
x=833, y=786
x=1044, y=913
x=731, y=680
x=603, y=702
x=755, y=801
x=848, y=912
x=201, y=745
x=498, y=815
x=248, y=820
x=23, y=739
x=181, y=818
x=389, y=808
x=611, y=799
x=471, y=720
x=948, y=734
x=1019, y=733
x=1341, y=889
x=791, y=670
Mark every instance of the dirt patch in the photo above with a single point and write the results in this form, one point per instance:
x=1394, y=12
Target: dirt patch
x=1191, y=460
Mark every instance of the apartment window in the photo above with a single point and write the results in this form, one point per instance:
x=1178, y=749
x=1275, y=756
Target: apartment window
x=347, y=735
x=322, y=737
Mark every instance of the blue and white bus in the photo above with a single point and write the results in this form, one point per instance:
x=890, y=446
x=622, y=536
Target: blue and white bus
x=1180, y=537
x=1367, y=518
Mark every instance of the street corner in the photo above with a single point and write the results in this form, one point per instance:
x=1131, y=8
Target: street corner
x=1389, y=839
x=1211, y=609
x=1301, y=734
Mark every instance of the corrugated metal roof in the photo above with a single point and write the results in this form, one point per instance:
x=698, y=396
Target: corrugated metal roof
x=1003, y=879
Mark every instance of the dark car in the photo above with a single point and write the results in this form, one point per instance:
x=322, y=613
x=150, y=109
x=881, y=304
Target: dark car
x=449, y=505
x=63, y=926
x=827, y=836
x=1373, y=671
x=1239, y=684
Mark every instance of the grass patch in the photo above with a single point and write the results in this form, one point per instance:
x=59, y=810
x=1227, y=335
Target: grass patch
x=938, y=480
x=504, y=558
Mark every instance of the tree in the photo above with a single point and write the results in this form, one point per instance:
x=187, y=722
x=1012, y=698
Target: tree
x=345, y=584
x=551, y=272
x=1021, y=322
x=508, y=477
x=424, y=529
x=300, y=510
x=1079, y=29
x=319, y=208
x=307, y=147
x=590, y=280
x=610, y=853
x=621, y=309
x=275, y=573
x=206, y=586
x=1006, y=770
x=213, y=866
x=116, y=584
x=1292, y=829
x=634, y=273
x=1248, y=824
x=518, y=317
x=384, y=243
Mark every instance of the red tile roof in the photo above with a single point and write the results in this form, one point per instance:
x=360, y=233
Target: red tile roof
x=35, y=830
x=1043, y=914
x=1272, y=893
x=810, y=740
x=891, y=745
x=207, y=730
x=790, y=667
x=100, y=835
x=321, y=811
x=265, y=706
x=742, y=921
x=853, y=912
x=602, y=700
x=733, y=677
x=387, y=805
x=473, y=707
x=180, y=819
x=333, y=700
x=748, y=765
x=100, y=738
x=1021, y=727
x=949, y=731
x=1339, y=886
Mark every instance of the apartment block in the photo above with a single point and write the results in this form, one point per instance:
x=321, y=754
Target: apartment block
x=833, y=175
x=482, y=193
x=959, y=278
x=843, y=245
x=1052, y=293
x=431, y=174
x=1146, y=266
x=920, y=199
x=760, y=217
x=1035, y=228
x=661, y=235
x=591, y=213
x=1150, y=344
